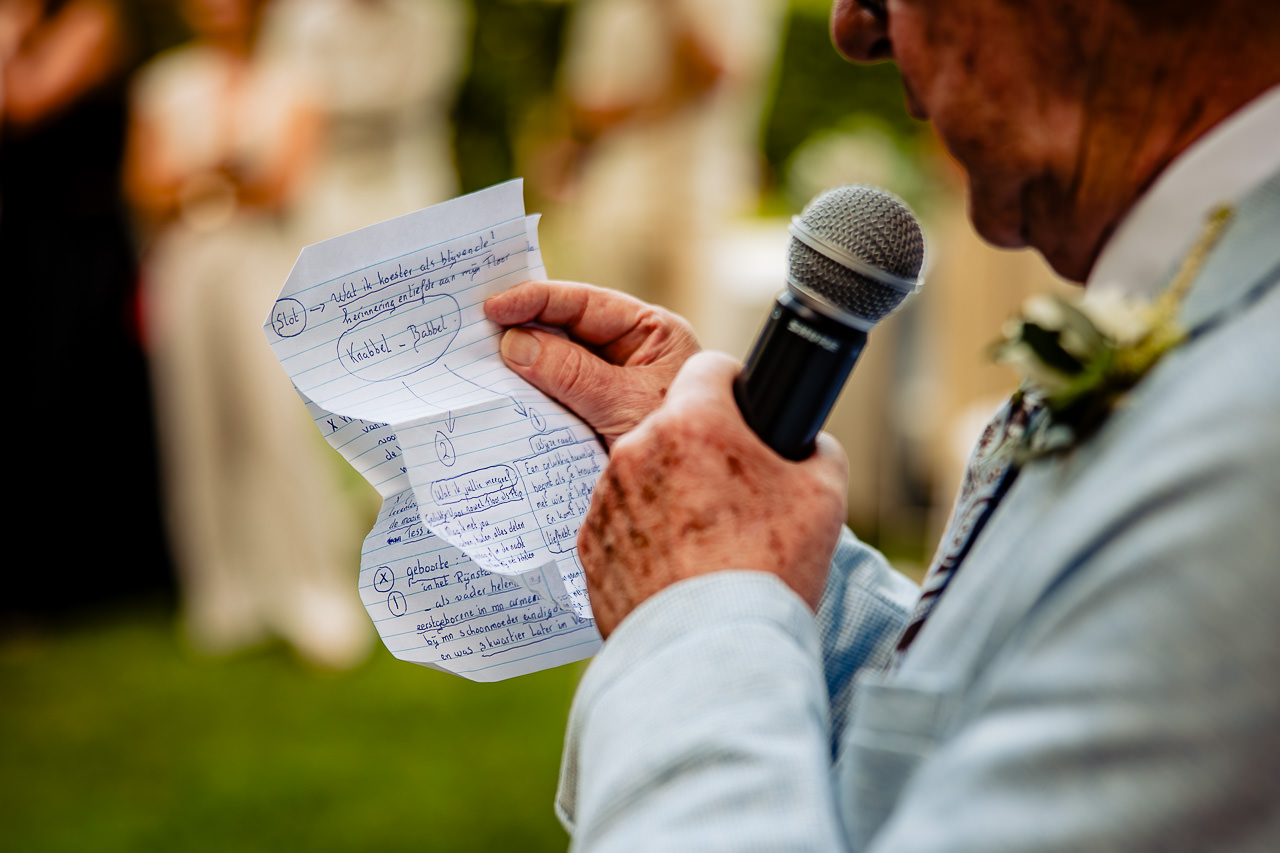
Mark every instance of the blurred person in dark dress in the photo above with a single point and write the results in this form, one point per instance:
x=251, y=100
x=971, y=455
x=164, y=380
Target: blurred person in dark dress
x=83, y=469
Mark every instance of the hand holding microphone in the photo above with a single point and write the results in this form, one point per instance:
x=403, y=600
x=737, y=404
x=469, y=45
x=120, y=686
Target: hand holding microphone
x=689, y=492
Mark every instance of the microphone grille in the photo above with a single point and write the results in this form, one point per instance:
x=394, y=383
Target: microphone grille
x=875, y=228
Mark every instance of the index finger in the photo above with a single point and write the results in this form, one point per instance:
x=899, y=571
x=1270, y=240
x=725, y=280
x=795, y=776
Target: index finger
x=591, y=315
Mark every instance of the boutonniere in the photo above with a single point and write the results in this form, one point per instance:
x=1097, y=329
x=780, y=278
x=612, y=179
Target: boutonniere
x=1080, y=360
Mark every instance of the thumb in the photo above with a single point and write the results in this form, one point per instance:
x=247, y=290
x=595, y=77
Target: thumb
x=576, y=377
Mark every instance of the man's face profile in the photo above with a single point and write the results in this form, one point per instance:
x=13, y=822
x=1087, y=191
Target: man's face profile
x=997, y=80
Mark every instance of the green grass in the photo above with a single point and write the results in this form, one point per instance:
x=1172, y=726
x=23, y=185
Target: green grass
x=113, y=738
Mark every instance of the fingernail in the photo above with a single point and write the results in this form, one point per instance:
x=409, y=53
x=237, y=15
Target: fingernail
x=520, y=347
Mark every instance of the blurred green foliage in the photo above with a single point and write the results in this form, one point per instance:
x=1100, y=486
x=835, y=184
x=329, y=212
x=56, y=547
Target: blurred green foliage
x=515, y=55
x=817, y=90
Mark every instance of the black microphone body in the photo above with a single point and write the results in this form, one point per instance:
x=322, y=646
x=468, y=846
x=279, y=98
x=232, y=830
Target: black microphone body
x=794, y=373
x=855, y=255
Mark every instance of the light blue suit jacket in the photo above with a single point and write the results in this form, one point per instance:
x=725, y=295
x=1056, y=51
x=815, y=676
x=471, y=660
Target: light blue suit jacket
x=1102, y=674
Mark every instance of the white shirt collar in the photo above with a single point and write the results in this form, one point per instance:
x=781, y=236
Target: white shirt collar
x=1219, y=168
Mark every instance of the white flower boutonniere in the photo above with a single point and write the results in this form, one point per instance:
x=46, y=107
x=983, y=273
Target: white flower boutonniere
x=1081, y=360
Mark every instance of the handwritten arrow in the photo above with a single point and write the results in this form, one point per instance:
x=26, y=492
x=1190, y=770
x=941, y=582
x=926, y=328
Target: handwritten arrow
x=413, y=392
x=519, y=407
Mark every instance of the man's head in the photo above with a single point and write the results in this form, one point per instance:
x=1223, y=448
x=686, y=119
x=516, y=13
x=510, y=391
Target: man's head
x=1063, y=111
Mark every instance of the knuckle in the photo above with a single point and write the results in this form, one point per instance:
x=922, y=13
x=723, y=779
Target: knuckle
x=626, y=450
x=568, y=371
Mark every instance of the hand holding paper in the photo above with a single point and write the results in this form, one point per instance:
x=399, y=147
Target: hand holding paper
x=618, y=361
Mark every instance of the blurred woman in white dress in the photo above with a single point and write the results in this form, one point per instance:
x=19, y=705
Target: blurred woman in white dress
x=263, y=537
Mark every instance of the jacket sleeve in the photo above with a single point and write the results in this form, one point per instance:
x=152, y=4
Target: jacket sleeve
x=705, y=722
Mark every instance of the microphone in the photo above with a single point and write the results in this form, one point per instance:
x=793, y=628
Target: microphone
x=855, y=255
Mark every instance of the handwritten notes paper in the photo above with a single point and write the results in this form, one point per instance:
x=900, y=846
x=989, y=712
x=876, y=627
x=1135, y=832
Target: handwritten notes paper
x=471, y=567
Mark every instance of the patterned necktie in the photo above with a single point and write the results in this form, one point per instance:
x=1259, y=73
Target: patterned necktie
x=991, y=471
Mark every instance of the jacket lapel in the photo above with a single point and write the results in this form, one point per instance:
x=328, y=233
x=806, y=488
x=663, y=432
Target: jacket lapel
x=1245, y=263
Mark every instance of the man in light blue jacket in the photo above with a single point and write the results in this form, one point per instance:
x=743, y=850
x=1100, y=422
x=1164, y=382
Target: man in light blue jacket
x=1100, y=665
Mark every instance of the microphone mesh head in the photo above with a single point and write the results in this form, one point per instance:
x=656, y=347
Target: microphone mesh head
x=873, y=226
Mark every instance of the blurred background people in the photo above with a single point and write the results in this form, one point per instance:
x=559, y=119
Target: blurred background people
x=263, y=538
x=84, y=471
x=385, y=74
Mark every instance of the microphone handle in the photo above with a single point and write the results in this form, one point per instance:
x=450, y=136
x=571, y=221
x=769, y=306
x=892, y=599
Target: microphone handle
x=793, y=375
